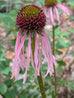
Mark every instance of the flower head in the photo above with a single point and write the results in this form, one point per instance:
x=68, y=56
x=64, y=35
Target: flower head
x=52, y=6
x=31, y=20
x=31, y=17
x=49, y=3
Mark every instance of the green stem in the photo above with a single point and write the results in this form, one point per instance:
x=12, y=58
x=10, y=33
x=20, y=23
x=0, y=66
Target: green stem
x=54, y=55
x=40, y=81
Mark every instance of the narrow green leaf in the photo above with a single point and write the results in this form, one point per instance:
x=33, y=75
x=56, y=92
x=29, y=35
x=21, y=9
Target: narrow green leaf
x=8, y=33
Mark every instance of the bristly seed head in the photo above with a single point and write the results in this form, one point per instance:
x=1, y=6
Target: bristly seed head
x=31, y=17
x=50, y=2
x=30, y=11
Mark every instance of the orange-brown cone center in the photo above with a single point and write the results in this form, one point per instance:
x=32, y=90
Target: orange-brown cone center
x=30, y=11
x=50, y=2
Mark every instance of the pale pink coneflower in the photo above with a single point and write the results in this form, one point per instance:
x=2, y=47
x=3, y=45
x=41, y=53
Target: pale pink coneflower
x=31, y=21
x=52, y=7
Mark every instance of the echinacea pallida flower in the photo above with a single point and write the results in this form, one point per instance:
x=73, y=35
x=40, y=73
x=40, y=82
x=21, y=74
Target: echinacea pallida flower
x=31, y=21
x=52, y=7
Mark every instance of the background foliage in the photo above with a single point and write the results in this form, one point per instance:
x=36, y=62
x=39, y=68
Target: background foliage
x=11, y=89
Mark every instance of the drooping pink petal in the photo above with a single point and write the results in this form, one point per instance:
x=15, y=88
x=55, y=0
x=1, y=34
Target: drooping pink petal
x=24, y=77
x=57, y=15
x=43, y=49
x=46, y=57
x=48, y=71
x=22, y=61
x=47, y=43
x=50, y=52
x=65, y=9
x=28, y=50
x=15, y=67
x=40, y=61
x=18, y=40
x=28, y=55
x=35, y=76
x=21, y=45
x=46, y=48
x=36, y=53
x=32, y=61
x=51, y=56
x=51, y=18
x=40, y=57
x=54, y=61
x=45, y=10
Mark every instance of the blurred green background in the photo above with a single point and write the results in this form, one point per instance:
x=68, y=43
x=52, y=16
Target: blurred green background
x=64, y=35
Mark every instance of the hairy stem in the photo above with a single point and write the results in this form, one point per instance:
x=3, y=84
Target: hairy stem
x=54, y=65
x=40, y=81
